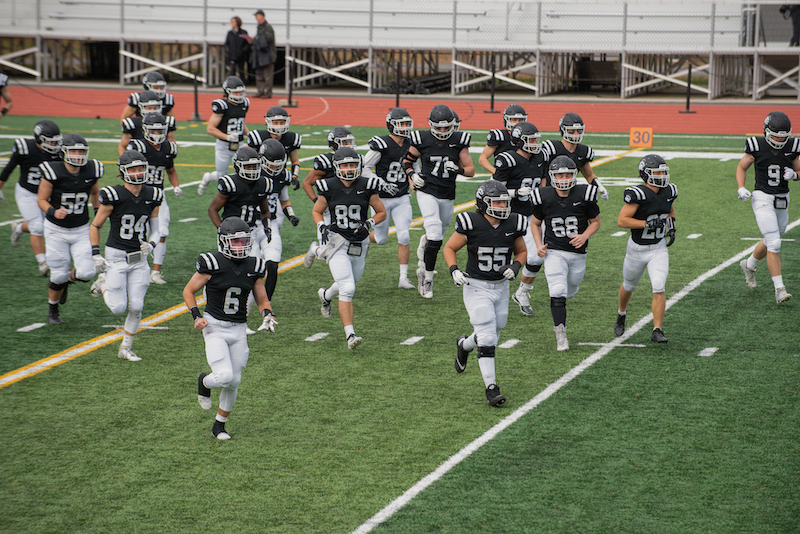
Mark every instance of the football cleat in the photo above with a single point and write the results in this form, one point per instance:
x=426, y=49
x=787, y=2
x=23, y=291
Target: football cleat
x=16, y=233
x=493, y=396
x=658, y=336
x=521, y=298
x=52, y=315
x=781, y=295
x=427, y=289
x=325, y=304
x=353, y=341
x=127, y=354
x=201, y=188
x=561, y=337
x=619, y=325
x=461, y=355
x=311, y=255
x=203, y=393
x=98, y=285
x=219, y=432
x=749, y=274
x=405, y=283
x=44, y=269
x=157, y=278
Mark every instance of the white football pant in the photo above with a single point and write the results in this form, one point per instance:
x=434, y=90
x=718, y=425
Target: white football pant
x=771, y=222
x=564, y=271
x=227, y=353
x=61, y=244
x=399, y=209
x=29, y=209
x=654, y=258
x=436, y=214
x=126, y=284
x=487, y=305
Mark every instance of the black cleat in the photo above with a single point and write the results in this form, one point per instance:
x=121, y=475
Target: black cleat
x=52, y=315
x=619, y=326
x=493, y=396
x=658, y=336
x=219, y=431
x=461, y=355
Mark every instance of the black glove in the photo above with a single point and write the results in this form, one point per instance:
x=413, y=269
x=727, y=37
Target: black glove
x=293, y=219
x=670, y=231
x=295, y=183
x=268, y=232
x=362, y=232
x=654, y=224
x=324, y=234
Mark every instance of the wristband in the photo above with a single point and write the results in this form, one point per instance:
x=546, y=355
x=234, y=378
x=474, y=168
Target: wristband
x=51, y=211
x=320, y=224
x=314, y=199
x=295, y=169
x=288, y=211
x=266, y=312
x=370, y=222
x=95, y=250
x=195, y=312
x=453, y=268
x=4, y=111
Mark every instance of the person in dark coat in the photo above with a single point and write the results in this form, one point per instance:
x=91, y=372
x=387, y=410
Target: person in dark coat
x=237, y=48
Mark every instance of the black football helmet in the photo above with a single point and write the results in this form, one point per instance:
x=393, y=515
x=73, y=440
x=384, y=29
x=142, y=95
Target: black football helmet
x=399, y=122
x=516, y=113
x=525, y=136
x=277, y=119
x=569, y=122
x=48, y=136
x=154, y=128
x=75, y=149
x=649, y=166
x=489, y=193
x=777, y=124
x=345, y=155
x=234, y=238
x=154, y=81
x=247, y=163
x=133, y=167
x=563, y=165
x=149, y=103
x=233, y=89
x=273, y=157
x=443, y=122
x=341, y=136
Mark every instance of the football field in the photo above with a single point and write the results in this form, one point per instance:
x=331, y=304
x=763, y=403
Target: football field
x=615, y=435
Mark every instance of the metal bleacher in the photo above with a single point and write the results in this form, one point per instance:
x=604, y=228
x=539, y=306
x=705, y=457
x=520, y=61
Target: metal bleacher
x=631, y=48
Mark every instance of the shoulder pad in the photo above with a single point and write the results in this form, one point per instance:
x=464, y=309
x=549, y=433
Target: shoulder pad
x=416, y=138
x=21, y=147
x=128, y=125
x=633, y=195
x=260, y=266
x=521, y=224
x=465, y=138
x=378, y=144
x=323, y=185
x=219, y=105
x=297, y=141
x=504, y=160
x=98, y=168
x=751, y=145
x=373, y=184
x=673, y=189
x=138, y=145
x=207, y=263
x=324, y=161
x=226, y=185
x=158, y=194
x=591, y=193
x=589, y=153
x=108, y=195
x=495, y=134
x=464, y=222
x=536, y=196
x=133, y=100
x=254, y=138
x=169, y=100
x=173, y=148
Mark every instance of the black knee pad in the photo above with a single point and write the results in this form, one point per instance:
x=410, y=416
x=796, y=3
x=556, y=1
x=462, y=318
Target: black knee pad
x=558, y=302
x=533, y=268
x=58, y=287
x=485, y=352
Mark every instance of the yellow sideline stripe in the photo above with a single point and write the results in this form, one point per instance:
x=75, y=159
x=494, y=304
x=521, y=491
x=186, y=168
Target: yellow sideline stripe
x=170, y=313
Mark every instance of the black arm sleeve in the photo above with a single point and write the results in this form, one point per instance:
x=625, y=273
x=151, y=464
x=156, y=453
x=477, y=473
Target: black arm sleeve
x=12, y=164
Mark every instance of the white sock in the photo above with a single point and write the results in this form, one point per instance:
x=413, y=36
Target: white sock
x=221, y=418
x=777, y=281
x=349, y=330
x=487, y=370
x=469, y=343
x=428, y=276
x=132, y=321
x=524, y=288
x=623, y=313
x=40, y=258
x=403, y=271
x=752, y=263
x=127, y=340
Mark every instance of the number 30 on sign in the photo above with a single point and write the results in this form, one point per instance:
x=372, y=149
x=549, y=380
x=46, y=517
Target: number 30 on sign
x=641, y=138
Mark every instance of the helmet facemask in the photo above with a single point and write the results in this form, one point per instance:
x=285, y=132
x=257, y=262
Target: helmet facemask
x=76, y=155
x=402, y=127
x=273, y=167
x=236, y=246
x=278, y=124
x=51, y=145
x=135, y=172
x=564, y=179
x=657, y=176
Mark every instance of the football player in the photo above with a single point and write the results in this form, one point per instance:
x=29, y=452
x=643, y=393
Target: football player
x=28, y=154
x=569, y=214
x=386, y=156
x=277, y=119
x=499, y=140
x=132, y=126
x=572, y=129
x=124, y=274
x=155, y=82
x=228, y=276
x=521, y=170
x=443, y=153
x=649, y=213
x=228, y=126
x=344, y=242
x=160, y=154
x=494, y=237
x=338, y=137
x=776, y=159
x=273, y=161
x=64, y=193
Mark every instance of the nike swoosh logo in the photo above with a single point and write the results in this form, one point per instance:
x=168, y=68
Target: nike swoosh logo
x=509, y=234
x=576, y=203
x=359, y=192
x=453, y=146
x=89, y=181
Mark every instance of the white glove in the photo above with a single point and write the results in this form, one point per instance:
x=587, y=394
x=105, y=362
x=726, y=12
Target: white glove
x=178, y=191
x=268, y=323
x=601, y=190
x=386, y=187
x=452, y=166
x=145, y=247
x=744, y=194
x=2, y=195
x=99, y=263
x=788, y=174
x=418, y=180
x=510, y=271
x=233, y=138
x=524, y=191
x=459, y=278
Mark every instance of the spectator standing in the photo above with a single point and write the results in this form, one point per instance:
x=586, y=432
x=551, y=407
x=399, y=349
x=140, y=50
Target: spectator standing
x=237, y=48
x=264, y=55
x=9, y=102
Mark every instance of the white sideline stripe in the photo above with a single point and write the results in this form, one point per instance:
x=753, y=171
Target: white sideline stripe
x=412, y=340
x=760, y=238
x=317, y=336
x=190, y=219
x=708, y=351
x=508, y=344
x=693, y=236
x=30, y=327
x=140, y=328
x=619, y=234
x=490, y=434
x=638, y=345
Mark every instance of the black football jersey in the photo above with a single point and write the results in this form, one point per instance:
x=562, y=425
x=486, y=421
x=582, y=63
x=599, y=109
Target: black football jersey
x=160, y=159
x=324, y=164
x=489, y=248
x=770, y=163
x=133, y=126
x=348, y=205
x=276, y=187
x=230, y=284
x=515, y=171
x=583, y=154
x=71, y=191
x=130, y=216
x=501, y=139
x=650, y=205
x=27, y=154
x=289, y=140
x=232, y=121
x=244, y=197
x=565, y=217
x=434, y=154
x=167, y=103
x=389, y=167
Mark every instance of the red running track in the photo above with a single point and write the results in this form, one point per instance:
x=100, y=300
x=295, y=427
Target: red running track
x=710, y=118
